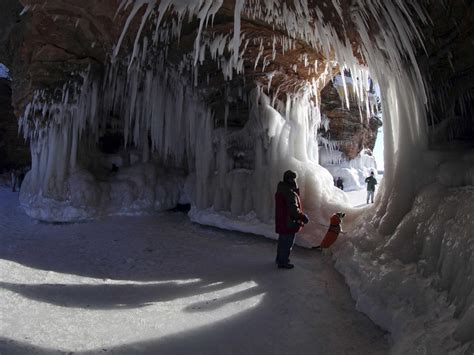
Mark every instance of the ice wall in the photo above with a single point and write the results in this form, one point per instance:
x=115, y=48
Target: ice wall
x=64, y=128
x=244, y=199
x=417, y=282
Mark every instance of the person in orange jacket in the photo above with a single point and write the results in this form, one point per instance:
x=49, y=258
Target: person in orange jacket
x=333, y=231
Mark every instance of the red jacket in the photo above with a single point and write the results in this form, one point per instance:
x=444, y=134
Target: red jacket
x=288, y=210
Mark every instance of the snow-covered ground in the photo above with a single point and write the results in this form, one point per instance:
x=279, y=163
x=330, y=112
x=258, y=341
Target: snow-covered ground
x=357, y=198
x=161, y=284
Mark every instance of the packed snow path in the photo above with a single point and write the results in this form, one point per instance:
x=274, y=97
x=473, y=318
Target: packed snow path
x=162, y=285
x=357, y=198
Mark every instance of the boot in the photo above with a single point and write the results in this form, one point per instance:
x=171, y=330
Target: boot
x=286, y=266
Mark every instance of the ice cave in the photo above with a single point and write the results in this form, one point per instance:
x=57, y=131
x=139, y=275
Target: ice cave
x=128, y=108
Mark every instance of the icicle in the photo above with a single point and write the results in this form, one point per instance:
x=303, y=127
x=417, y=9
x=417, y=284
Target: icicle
x=138, y=4
x=203, y=15
x=239, y=4
x=260, y=52
x=344, y=85
x=25, y=10
x=145, y=17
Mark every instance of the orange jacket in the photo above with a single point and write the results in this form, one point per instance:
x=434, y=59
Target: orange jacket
x=333, y=232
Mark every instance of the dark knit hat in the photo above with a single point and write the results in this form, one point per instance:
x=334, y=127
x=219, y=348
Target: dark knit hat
x=289, y=175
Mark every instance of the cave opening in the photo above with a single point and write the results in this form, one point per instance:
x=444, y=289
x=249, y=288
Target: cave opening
x=350, y=137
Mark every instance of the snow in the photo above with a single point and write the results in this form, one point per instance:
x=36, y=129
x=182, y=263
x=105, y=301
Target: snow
x=358, y=198
x=137, y=190
x=161, y=284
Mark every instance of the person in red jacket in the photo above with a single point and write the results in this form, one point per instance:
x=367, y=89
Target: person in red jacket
x=289, y=217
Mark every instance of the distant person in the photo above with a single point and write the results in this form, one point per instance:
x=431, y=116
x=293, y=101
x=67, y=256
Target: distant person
x=371, y=182
x=289, y=217
x=339, y=183
x=115, y=168
x=14, y=176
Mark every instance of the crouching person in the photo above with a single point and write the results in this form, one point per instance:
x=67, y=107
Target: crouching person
x=335, y=228
x=289, y=217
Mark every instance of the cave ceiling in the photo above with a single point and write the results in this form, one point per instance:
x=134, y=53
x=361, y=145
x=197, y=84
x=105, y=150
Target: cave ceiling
x=58, y=37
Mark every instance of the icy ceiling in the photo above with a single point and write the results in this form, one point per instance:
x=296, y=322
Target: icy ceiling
x=281, y=43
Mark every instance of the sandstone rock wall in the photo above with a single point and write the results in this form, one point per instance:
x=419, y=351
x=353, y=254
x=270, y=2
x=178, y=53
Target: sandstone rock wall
x=10, y=10
x=352, y=132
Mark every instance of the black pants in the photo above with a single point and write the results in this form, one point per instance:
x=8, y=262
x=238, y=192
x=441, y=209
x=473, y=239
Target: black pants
x=285, y=244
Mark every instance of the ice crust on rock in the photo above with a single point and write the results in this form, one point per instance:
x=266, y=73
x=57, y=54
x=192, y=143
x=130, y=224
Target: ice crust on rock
x=134, y=190
x=417, y=282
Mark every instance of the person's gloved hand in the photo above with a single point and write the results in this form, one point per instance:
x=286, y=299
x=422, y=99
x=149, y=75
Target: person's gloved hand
x=305, y=219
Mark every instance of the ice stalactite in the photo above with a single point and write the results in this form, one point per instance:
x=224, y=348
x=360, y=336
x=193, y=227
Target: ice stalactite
x=54, y=122
x=65, y=132
x=406, y=136
x=156, y=105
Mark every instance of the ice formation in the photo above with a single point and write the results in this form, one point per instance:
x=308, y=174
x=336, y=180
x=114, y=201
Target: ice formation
x=58, y=140
x=184, y=158
x=417, y=282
